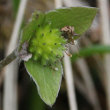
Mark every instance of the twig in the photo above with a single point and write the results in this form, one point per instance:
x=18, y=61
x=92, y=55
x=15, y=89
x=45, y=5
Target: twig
x=58, y=3
x=88, y=83
x=104, y=12
x=97, y=58
x=80, y=86
x=8, y=60
x=10, y=83
x=78, y=3
x=70, y=83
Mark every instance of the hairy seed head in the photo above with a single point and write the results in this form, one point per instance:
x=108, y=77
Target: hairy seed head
x=46, y=46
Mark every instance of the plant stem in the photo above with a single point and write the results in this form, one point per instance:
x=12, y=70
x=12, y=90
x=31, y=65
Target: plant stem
x=105, y=28
x=70, y=83
x=10, y=97
x=8, y=59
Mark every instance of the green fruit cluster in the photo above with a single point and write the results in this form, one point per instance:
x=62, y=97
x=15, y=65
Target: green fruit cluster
x=47, y=45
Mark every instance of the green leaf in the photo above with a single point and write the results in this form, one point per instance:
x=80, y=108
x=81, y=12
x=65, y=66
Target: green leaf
x=91, y=50
x=30, y=29
x=79, y=17
x=15, y=4
x=47, y=80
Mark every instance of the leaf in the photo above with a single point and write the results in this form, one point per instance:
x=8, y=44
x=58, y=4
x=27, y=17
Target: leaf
x=30, y=29
x=79, y=17
x=15, y=4
x=47, y=80
x=91, y=50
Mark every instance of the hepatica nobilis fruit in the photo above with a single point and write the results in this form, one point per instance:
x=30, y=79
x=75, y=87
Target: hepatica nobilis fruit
x=43, y=44
x=47, y=45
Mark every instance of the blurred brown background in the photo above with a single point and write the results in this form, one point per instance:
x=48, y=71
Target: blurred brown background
x=93, y=66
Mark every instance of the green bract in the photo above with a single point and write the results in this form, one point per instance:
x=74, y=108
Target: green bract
x=47, y=45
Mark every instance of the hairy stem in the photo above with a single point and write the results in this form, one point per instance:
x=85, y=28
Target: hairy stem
x=8, y=60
